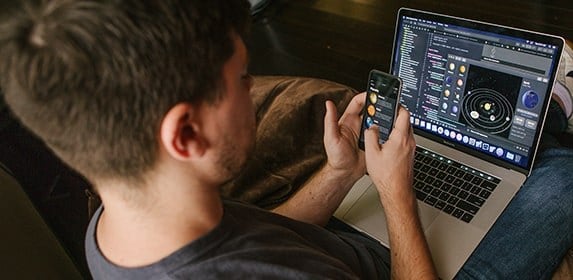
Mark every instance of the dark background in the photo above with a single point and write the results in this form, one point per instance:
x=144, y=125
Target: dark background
x=341, y=40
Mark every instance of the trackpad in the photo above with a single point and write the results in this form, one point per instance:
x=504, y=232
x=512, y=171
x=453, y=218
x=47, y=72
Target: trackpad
x=427, y=214
x=367, y=215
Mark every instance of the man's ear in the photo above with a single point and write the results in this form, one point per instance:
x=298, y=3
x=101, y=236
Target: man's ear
x=180, y=134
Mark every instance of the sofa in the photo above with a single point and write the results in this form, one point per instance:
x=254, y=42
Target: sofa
x=289, y=113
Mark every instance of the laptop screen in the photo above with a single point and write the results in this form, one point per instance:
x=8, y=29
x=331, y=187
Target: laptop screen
x=480, y=88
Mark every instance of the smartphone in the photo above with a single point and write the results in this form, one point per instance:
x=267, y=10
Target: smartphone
x=381, y=106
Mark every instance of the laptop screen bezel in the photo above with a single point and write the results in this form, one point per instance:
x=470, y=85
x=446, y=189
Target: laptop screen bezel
x=493, y=28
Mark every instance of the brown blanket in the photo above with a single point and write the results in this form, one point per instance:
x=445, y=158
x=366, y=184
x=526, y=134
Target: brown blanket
x=290, y=112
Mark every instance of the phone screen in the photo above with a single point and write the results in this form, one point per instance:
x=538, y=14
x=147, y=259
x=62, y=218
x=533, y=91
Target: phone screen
x=382, y=95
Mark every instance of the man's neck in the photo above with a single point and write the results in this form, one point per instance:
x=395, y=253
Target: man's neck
x=169, y=217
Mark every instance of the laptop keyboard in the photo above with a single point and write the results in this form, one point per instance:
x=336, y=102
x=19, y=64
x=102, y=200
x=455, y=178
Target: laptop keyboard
x=450, y=186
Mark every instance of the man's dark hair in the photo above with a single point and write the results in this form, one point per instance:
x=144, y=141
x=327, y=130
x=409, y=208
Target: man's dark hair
x=93, y=79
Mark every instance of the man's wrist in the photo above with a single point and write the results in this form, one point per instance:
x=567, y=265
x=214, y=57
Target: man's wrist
x=344, y=176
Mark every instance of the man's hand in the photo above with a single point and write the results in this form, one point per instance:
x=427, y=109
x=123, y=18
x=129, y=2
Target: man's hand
x=390, y=165
x=390, y=168
x=341, y=138
x=318, y=198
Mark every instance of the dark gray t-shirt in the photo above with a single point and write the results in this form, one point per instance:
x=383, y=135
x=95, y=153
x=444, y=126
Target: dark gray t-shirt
x=251, y=243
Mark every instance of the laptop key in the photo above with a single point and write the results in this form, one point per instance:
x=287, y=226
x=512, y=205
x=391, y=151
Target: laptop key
x=449, y=209
x=446, y=187
x=427, y=189
x=458, y=213
x=477, y=180
x=453, y=200
x=467, y=207
x=444, y=196
x=451, y=170
x=420, y=195
x=485, y=194
x=433, y=172
x=429, y=180
x=454, y=190
x=476, y=200
x=468, y=177
x=475, y=190
x=467, y=217
x=463, y=194
x=431, y=200
x=488, y=185
x=427, y=160
x=450, y=179
x=440, y=204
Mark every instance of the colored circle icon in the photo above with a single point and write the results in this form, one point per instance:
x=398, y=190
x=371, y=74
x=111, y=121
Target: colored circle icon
x=449, y=80
x=373, y=98
x=499, y=152
x=462, y=69
x=460, y=82
x=452, y=66
x=447, y=93
x=371, y=110
x=369, y=122
x=530, y=99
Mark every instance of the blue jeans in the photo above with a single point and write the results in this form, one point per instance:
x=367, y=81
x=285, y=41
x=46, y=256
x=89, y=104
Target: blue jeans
x=535, y=231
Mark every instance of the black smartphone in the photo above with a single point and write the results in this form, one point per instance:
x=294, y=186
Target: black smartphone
x=381, y=106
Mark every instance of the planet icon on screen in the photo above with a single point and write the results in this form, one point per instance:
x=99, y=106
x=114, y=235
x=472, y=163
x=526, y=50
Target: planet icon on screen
x=449, y=80
x=371, y=110
x=373, y=98
x=369, y=122
x=530, y=99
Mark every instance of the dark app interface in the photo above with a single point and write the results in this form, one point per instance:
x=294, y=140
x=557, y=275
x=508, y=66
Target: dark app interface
x=381, y=101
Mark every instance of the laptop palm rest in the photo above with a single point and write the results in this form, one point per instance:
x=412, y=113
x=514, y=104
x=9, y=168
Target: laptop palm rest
x=367, y=215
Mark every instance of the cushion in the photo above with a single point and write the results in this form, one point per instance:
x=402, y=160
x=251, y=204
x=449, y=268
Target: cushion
x=289, y=140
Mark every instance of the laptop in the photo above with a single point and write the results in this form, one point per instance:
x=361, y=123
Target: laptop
x=478, y=95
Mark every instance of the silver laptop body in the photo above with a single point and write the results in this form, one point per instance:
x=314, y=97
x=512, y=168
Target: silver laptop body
x=478, y=95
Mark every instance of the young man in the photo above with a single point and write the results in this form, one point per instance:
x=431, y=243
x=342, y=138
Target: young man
x=150, y=101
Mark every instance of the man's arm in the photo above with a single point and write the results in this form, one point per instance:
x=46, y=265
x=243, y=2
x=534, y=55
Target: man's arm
x=318, y=198
x=390, y=168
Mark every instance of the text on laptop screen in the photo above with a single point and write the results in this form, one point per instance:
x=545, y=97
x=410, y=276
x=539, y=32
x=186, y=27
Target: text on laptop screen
x=476, y=89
